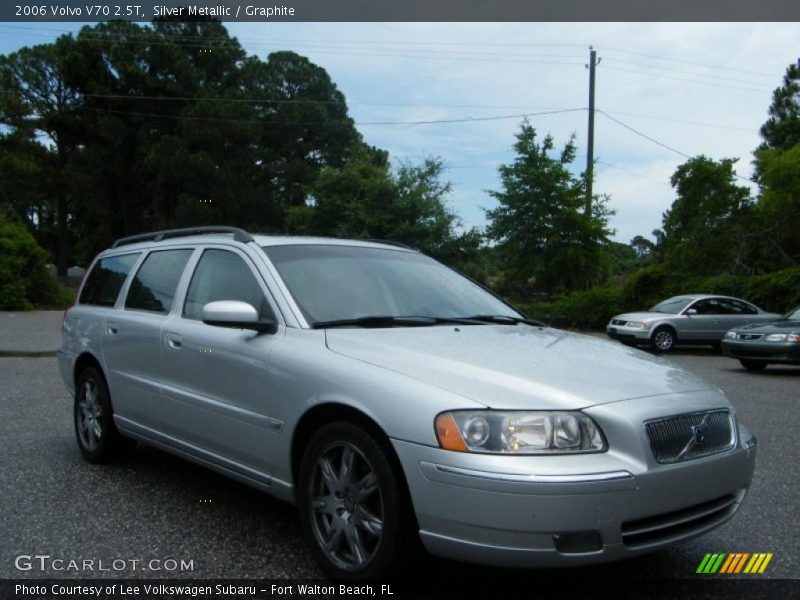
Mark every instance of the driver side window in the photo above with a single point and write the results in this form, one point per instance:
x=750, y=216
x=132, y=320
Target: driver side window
x=223, y=275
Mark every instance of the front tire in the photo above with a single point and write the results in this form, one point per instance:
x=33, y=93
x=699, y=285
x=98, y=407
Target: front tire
x=754, y=365
x=352, y=504
x=97, y=436
x=663, y=339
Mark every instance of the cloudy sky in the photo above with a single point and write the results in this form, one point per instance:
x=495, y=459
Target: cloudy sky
x=691, y=88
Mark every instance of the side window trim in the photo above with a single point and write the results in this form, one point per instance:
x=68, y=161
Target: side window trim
x=180, y=302
x=135, y=270
x=123, y=288
x=123, y=292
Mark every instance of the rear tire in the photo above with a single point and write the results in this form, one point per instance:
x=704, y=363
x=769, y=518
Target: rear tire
x=98, y=438
x=663, y=339
x=352, y=504
x=754, y=365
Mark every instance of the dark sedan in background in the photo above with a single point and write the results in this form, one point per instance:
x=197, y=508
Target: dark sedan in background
x=759, y=345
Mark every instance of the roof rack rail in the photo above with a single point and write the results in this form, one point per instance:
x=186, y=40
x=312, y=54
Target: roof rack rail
x=240, y=235
x=391, y=243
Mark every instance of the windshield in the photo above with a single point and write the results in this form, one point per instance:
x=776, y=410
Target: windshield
x=673, y=305
x=793, y=315
x=331, y=283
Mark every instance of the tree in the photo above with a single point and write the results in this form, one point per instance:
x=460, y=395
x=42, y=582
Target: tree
x=778, y=210
x=642, y=246
x=365, y=199
x=704, y=230
x=782, y=129
x=540, y=227
x=37, y=103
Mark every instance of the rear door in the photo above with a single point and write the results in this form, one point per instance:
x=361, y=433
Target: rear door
x=735, y=314
x=132, y=337
x=217, y=393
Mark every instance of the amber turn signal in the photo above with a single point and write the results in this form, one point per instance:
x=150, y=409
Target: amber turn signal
x=447, y=433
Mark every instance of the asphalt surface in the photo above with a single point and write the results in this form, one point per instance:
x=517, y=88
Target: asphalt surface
x=155, y=506
x=30, y=333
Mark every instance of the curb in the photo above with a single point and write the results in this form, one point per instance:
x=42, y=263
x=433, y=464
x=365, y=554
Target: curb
x=23, y=354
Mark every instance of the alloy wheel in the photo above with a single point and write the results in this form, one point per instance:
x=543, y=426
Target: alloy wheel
x=663, y=340
x=90, y=414
x=346, y=507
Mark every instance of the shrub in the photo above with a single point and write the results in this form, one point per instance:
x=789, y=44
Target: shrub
x=582, y=310
x=24, y=281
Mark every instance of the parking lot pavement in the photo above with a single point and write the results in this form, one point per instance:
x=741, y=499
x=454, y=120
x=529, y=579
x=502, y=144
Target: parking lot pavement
x=30, y=333
x=155, y=506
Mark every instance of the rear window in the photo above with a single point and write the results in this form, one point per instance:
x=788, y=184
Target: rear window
x=105, y=280
x=153, y=287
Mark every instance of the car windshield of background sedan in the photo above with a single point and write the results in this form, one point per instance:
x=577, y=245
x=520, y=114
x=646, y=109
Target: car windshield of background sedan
x=336, y=283
x=672, y=305
x=792, y=315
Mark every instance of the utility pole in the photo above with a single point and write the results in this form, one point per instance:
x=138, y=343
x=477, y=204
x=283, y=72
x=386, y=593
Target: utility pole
x=593, y=62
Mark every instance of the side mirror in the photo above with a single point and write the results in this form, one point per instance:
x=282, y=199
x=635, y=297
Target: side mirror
x=235, y=314
x=691, y=311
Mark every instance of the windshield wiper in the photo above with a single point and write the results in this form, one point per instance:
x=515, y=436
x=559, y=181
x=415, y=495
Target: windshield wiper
x=388, y=321
x=504, y=320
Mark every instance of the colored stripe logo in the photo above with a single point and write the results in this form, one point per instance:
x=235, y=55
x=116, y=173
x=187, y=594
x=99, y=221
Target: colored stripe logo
x=733, y=563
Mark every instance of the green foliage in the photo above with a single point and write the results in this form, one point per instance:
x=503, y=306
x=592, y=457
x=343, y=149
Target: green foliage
x=366, y=199
x=782, y=129
x=701, y=230
x=24, y=282
x=541, y=229
x=590, y=309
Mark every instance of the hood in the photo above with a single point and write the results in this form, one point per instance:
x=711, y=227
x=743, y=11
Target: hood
x=643, y=316
x=517, y=366
x=784, y=326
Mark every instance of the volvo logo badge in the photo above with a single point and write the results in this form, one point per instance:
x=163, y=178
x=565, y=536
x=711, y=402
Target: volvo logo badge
x=699, y=434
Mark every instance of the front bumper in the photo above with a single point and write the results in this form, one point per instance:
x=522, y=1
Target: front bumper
x=600, y=507
x=764, y=351
x=628, y=334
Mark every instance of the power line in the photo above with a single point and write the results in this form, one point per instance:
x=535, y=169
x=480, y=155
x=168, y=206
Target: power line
x=613, y=166
x=682, y=121
x=657, y=142
x=694, y=73
x=710, y=83
x=359, y=123
x=644, y=135
x=687, y=62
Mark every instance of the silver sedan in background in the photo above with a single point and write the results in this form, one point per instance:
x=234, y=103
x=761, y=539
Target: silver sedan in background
x=686, y=319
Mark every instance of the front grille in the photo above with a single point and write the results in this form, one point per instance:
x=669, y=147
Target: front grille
x=684, y=437
x=679, y=524
x=618, y=322
x=749, y=336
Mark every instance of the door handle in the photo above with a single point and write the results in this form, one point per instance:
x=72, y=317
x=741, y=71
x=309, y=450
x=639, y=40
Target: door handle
x=112, y=328
x=174, y=340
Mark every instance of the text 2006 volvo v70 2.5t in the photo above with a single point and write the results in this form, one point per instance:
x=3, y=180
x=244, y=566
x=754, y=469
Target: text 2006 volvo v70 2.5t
x=389, y=397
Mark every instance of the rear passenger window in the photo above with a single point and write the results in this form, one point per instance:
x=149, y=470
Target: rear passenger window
x=153, y=288
x=105, y=280
x=223, y=275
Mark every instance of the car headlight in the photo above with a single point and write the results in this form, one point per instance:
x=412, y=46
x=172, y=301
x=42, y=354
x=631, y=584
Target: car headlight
x=783, y=337
x=731, y=335
x=518, y=432
x=637, y=324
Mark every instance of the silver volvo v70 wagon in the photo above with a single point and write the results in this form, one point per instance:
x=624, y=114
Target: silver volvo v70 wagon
x=393, y=401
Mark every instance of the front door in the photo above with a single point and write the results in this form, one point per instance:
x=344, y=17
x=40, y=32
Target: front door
x=216, y=388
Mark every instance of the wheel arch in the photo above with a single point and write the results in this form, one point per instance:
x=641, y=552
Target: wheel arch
x=328, y=412
x=84, y=360
x=664, y=325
